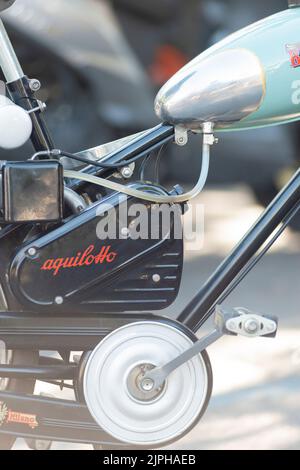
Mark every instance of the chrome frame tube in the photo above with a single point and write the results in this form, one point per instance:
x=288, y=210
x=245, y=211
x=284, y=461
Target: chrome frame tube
x=9, y=63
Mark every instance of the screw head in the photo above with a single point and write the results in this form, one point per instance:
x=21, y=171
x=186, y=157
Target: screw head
x=59, y=300
x=251, y=326
x=34, y=84
x=32, y=251
x=147, y=385
x=156, y=278
x=181, y=141
x=126, y=172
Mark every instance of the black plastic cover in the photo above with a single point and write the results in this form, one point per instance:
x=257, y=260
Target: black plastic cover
x=32, y=191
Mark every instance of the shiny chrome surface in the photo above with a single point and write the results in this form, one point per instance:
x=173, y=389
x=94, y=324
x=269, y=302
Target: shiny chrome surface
x=222, y=88
x=100, y=152
x=9, y=63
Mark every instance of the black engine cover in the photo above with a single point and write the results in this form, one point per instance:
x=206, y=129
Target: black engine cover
x=70, y=269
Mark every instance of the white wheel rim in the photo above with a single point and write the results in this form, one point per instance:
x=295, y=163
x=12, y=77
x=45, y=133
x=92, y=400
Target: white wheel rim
x=124, y=417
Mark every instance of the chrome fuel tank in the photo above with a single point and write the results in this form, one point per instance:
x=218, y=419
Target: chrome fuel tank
x=250, y=79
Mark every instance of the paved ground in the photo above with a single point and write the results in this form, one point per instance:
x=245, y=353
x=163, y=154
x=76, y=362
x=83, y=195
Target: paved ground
x=256, y=400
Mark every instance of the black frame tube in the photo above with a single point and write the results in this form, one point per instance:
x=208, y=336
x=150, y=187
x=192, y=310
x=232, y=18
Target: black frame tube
x=141, y=145
x=202, y=306
x=23, y=96
x=47, y=372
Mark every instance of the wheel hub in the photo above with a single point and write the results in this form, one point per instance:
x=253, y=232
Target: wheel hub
x=143, y=389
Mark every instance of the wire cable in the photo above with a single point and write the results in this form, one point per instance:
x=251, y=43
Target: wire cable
x=56, y=153
x=175, y=199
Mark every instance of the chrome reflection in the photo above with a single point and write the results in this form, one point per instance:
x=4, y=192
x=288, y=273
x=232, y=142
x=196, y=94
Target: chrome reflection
x=223, y=88
x=101, y=152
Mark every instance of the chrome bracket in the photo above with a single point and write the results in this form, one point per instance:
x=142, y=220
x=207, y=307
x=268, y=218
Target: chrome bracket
x=208, y=134
x=181, y=136
x=40, y=108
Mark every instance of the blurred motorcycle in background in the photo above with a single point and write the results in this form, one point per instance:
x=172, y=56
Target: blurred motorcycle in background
x=117, y=54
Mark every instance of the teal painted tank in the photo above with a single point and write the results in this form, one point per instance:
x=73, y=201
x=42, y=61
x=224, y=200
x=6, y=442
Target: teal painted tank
x=250, y=79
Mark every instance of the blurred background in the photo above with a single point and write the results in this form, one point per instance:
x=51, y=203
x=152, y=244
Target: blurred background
x=101, y=63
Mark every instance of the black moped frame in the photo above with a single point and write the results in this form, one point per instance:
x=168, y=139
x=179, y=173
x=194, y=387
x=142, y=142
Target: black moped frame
x=22, y=330
x=216, y=289
x=218, y=285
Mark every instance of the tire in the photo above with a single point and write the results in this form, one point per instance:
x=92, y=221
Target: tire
x=25, y=386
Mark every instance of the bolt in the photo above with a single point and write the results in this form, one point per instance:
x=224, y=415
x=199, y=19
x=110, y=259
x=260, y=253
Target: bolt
x=156, y=278
x=147, y=385
x=181, y=141
x=34, y=84
x=32, y=251
x=42, y=106
x=251, y=326
x=126, y=172
x=59, y=300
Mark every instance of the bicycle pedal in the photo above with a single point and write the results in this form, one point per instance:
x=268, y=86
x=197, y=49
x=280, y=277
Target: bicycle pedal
x=243, y=322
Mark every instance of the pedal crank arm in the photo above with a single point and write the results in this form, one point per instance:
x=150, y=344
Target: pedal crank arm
x=235, y=322
x=156, y=377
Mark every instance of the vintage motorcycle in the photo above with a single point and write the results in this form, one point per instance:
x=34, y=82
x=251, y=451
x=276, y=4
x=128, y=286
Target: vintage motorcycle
x=140, y=379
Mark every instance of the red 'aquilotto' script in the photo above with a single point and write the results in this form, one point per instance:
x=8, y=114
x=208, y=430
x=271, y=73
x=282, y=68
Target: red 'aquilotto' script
x=86, y=258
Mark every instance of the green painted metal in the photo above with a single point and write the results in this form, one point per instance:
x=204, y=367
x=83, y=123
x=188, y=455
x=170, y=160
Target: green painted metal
x=270, y=39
